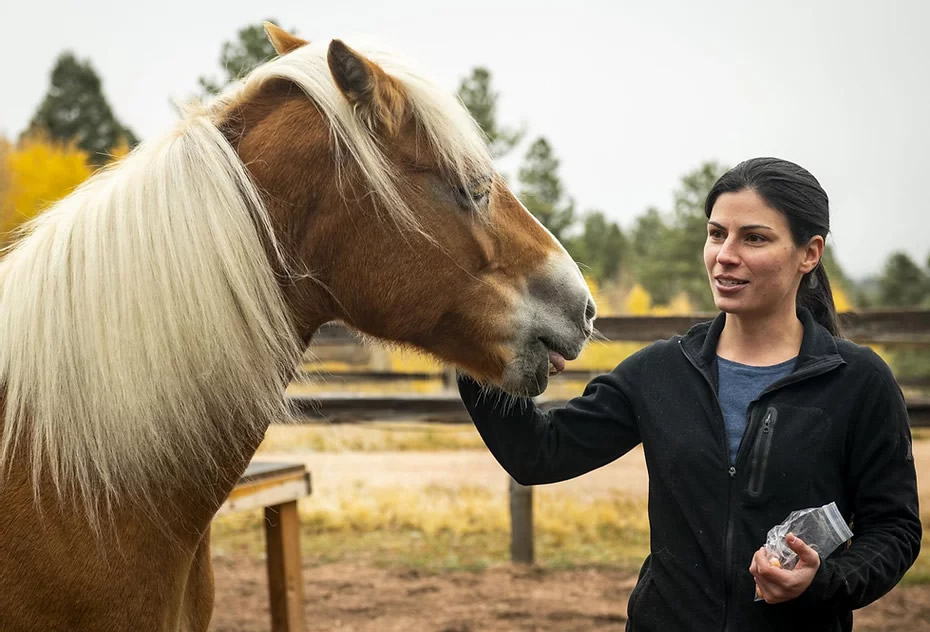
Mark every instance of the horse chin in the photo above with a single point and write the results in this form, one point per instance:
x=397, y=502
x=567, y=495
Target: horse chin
x=527, y=375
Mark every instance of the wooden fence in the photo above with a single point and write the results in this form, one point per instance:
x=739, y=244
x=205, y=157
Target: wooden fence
x=333, y=342
x=892, y=329
x=872, y=327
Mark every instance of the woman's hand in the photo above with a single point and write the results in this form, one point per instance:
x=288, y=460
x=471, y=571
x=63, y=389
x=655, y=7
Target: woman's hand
x=775, y=584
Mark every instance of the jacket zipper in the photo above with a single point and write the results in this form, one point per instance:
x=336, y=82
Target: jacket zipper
x=817, y=369
x=731, y=471
x=760, y=452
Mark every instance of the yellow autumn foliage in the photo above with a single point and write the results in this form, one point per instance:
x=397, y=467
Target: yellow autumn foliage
x=37, y=173
x=680, y=305
x=638, y=301
x=5, y=149
x=118, y=151
x=841, y=300
x=599, y=296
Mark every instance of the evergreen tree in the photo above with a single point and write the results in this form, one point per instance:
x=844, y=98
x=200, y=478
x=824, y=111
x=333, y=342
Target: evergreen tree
x=75, y=110
x=903, y=283
x=477, y=95
x=667, y=249
x=541, y=189
x=251, y=48
x=648, y=257
x=688, y=232
x=601, y=248
x=835, y=272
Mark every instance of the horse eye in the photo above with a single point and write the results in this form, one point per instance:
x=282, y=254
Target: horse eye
x=473, y=196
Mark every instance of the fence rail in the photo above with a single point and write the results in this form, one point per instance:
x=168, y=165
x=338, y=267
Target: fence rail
x=347, y=408
x=871, y=327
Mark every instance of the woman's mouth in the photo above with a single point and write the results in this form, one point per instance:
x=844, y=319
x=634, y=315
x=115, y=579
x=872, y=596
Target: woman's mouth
x=729, y=285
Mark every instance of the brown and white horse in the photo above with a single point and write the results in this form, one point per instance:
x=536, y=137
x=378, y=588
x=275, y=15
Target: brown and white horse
x=150, y=321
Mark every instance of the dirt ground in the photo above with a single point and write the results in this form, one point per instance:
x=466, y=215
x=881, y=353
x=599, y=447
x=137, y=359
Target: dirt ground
x=346, y=596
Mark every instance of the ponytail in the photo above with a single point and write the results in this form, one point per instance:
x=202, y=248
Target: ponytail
x=816, y=295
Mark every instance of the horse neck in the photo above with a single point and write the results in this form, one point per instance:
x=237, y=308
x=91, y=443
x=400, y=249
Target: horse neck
x=295, y=175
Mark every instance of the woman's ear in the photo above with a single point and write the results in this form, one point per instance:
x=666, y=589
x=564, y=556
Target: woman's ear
x=813, y=252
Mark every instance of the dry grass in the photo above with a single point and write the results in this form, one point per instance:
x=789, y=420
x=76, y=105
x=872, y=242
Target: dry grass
x=919, y=573
x=467, y=528
x=370, y=437
x=333, y=384
x=442, y=528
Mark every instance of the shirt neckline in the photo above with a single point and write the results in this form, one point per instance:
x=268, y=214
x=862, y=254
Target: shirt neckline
x=780, y=365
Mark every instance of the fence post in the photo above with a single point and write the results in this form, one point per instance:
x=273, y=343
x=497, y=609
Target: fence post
x=449, y=378
x=521, y=523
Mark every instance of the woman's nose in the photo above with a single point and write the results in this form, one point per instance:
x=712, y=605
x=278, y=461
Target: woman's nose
x=727, y=254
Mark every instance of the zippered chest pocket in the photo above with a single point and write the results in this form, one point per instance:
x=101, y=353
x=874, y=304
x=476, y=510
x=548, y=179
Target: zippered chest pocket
x=793, y=449
x=761, y=448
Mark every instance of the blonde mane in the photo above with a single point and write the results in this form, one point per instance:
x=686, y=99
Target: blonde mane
x=141, y=323
x=442, y=119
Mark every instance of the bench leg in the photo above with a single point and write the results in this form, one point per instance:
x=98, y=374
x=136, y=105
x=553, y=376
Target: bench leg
x=285, y=586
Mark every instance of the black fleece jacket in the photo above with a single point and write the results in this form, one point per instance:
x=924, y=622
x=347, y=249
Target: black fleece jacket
x=835, y=429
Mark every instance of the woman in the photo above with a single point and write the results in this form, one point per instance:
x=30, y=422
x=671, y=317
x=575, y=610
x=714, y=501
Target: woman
x=744, y=419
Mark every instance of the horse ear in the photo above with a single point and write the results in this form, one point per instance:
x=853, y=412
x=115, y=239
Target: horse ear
x=282, y=41
x=377, y=97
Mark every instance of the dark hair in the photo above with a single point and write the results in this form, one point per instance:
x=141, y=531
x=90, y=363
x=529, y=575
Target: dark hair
x=793, y=191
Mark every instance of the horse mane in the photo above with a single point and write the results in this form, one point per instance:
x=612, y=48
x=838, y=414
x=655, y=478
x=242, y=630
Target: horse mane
x=141, y=323
x=135, y=313
x=446, y=126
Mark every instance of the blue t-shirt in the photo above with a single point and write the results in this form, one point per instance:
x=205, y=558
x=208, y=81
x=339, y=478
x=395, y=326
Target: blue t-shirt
x=739, y=384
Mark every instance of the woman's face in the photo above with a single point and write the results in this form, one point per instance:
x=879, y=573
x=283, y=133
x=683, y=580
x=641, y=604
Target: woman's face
x=752, y=262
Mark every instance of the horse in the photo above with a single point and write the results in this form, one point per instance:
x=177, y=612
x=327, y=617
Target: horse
x=151, y=320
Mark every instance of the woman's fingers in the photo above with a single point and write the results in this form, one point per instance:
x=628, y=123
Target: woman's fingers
x=806, y=554
x=775, y=584
x=756, y=560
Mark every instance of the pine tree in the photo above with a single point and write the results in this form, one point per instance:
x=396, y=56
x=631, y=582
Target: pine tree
x=903, y=283
x=251, y=48
x=541, y=191
x=601, y=248
x=477, y=95
x=667, y=247
x=75, y=110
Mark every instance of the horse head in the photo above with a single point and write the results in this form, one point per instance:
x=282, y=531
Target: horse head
x=383, y=194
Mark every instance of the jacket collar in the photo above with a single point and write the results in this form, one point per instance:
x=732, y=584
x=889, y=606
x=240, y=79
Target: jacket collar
x=818, y=346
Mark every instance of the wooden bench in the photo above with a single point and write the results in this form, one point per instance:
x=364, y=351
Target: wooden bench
x=276, y=487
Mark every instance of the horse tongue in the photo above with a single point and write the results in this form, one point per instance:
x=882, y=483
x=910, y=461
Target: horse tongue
x=557, y=362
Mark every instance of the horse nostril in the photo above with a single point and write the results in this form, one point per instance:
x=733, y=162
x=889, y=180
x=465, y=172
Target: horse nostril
x=590, y=311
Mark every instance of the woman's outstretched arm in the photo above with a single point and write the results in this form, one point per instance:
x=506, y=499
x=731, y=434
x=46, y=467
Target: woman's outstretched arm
x=538, y=447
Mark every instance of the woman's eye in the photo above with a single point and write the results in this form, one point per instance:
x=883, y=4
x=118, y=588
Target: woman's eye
x=755, y=239
x=714, y=234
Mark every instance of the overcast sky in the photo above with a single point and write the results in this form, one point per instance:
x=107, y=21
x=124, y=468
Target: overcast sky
x=630, y=94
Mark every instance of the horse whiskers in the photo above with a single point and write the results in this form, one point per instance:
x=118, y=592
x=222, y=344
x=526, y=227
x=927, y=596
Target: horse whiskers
x=597, y=336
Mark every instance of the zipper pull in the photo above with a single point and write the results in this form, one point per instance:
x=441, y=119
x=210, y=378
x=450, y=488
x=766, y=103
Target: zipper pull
x=732, y=471
x=767, y=422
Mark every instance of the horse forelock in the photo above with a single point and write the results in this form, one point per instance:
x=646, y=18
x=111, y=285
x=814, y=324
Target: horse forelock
x=443, y=121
